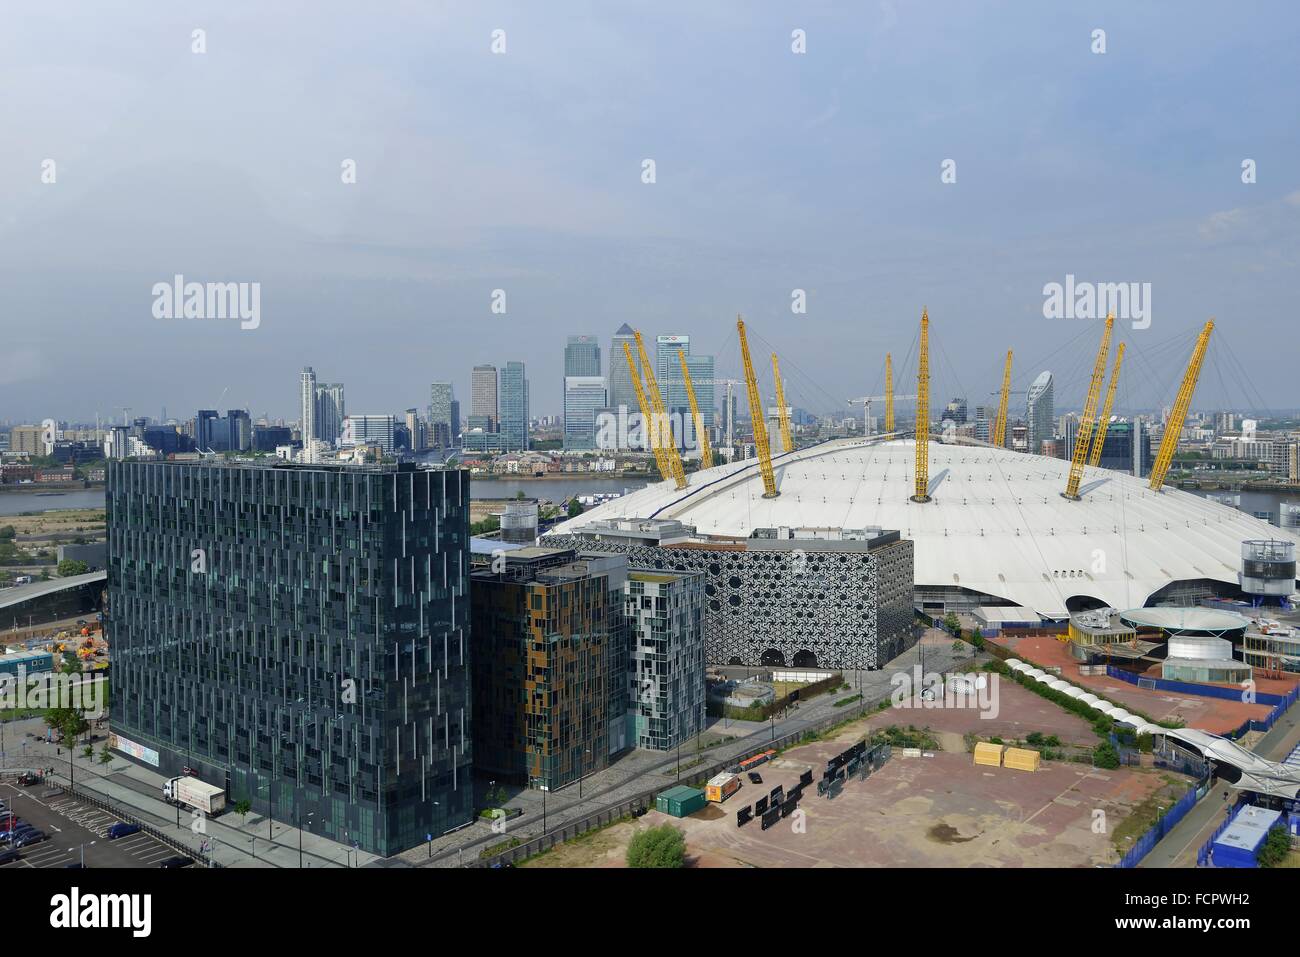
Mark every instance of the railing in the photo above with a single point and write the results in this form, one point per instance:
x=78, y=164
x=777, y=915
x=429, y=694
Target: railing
x=1203, y=855
x=646, y=799
x=1142, y=846
x=172, y=842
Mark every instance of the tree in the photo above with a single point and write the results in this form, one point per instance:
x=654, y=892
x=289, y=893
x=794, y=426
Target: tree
x=69, y=567
x=105, y=755
x=7, y=532
x=1275, y=848
x=67, y=723
x=1104, y=756
x=657, y=847
x=242, y=807
x=575, y=508
x=952, y=623
x=88, y=751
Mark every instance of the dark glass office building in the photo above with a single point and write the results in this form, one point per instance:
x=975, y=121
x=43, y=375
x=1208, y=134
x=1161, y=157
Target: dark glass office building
x=298, y=634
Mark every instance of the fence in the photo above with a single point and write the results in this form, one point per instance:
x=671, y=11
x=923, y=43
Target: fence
x=1187, y=687
x=172, y=842
x=1203, y=855
x=1142, y=846
x=646, y=799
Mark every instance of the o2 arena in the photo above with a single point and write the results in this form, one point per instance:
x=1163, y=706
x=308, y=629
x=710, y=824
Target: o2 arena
x=988, y=526
x=997, y=530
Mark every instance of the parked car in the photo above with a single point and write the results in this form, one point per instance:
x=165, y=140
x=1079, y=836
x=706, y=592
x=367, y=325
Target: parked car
x=17, y=826
x=30, y=837
x=122, y=829
x=176, y=862
x=28, y=778
x=75, y=864
x=7, y=857
x=755, y=777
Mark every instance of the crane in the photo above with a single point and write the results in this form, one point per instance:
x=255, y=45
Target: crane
x=922, y=490
x=1104, y=422
x=889, y=393
x=650, y=424
x=1174, y=427
x=866, y=400
x=756, y=417
x=999, y=435
x=1089, y=417
x=701, y=433
x=782, y=410
x=666, y=440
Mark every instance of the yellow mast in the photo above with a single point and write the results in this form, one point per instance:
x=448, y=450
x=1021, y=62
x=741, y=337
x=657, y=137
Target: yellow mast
x=1088, y=419
x=756, y=417
x=701, y=433
x=923, y=414
x=889, y=393
x=786, y=441
x=1000, y=423
x=1174, y=427
x=1104, y=423
x=649, y=426
x=664, y=424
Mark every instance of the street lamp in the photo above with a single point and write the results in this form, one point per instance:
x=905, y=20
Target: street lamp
x=581, y=770
x=309, y=817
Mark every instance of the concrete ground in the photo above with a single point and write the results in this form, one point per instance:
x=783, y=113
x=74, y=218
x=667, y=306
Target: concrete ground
x=938, y=810
x=255, y=842
x=77, y=832
x=1208, y=714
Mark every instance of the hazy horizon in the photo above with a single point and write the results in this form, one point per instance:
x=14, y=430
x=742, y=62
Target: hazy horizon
x=522, y=171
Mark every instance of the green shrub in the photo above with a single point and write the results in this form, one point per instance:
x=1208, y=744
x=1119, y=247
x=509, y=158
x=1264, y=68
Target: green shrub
x=1105, y=757
x=1275, y=847
x=657, y=847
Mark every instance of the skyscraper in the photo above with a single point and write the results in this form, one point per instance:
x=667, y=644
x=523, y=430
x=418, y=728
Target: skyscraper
x=441, y=432
x=306, y=411
x=514, y=406
x=483, y=394
x=583, y=397
x=666, y=356
x=582, y=356
x=621, y=390
x=332, y=689
x=1041, y=417
x=330, y=412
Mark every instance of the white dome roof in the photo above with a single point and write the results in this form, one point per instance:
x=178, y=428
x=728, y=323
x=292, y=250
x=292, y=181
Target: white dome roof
x=996, y=524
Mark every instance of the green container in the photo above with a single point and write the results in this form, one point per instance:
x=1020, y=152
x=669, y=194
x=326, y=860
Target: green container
x=680, y=801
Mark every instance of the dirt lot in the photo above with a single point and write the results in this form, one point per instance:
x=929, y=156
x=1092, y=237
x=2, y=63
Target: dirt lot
x=935, y=811
x=88, y=522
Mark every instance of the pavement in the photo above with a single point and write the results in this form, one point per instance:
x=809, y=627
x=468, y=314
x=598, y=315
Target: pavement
x=261, y=842
x=640, y=770
x=77, y=833
x=255, y=841
x=1180, y=846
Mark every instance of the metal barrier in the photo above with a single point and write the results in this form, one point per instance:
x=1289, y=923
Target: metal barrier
x=646, y=799
x=1142, y=846
x=86, y=798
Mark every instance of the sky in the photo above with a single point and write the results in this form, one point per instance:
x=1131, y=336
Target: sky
x=523, y=171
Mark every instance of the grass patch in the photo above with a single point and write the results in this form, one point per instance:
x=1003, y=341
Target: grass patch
x=849, y=700
x=1143, y=817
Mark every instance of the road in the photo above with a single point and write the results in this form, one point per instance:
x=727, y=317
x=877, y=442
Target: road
x=1180, y=846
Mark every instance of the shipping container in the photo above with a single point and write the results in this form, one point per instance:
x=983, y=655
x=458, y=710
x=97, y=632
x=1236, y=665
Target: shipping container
x=680, y=801
x=721, y=787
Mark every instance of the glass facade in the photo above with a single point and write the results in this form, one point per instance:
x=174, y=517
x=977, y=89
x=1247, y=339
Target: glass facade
x=298, y=635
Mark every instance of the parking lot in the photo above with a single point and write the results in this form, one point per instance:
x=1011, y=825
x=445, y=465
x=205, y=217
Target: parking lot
x=75, y=828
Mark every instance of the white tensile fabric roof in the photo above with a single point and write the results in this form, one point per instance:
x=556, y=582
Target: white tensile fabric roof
x=997, y=522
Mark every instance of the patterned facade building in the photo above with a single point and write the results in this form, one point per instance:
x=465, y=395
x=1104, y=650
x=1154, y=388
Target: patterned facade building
x=297, y=635
x=550, y=665
x=827, y=598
